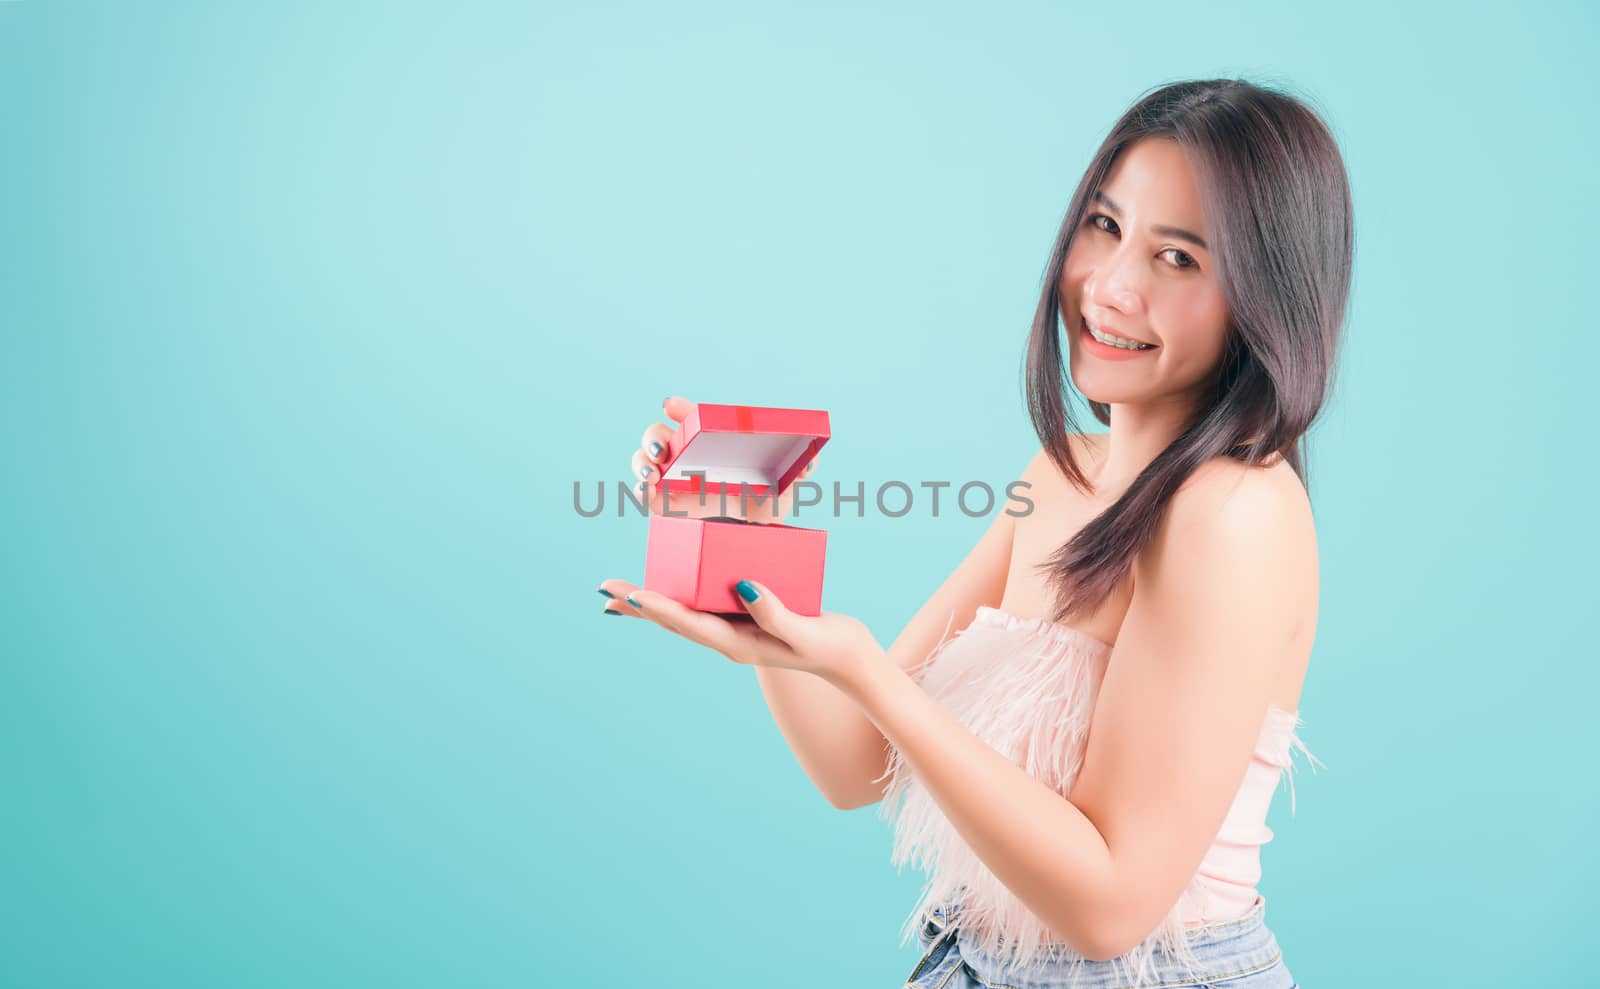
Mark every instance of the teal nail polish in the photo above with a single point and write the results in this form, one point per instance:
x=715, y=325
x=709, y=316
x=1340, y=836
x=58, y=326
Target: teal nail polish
x=631, y=601
x=655, y=448
x=610, y=611
x=747, y=590
x=607, y=593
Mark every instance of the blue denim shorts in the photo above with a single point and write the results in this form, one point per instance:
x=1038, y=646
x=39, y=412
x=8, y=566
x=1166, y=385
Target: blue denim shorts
x=1232, y=954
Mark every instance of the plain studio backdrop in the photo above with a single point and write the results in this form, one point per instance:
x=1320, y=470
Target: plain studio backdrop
x=313, y=314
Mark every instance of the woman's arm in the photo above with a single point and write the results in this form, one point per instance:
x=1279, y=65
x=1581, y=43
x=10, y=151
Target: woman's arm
x=839, y=748
x=1173, y=726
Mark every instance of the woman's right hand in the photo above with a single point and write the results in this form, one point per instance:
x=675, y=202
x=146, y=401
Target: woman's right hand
x=646, y=469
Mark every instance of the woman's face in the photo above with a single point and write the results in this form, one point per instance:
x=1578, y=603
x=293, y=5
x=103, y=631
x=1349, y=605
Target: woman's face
x=1133, y=272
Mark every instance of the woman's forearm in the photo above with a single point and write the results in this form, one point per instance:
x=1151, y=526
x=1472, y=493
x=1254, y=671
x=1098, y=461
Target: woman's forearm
x=839, y=748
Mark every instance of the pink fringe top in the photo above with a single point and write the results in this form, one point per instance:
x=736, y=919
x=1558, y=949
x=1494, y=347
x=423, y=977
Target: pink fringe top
x=1027, y=686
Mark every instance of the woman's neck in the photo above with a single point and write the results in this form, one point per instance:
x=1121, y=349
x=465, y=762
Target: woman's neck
x=1139, y=432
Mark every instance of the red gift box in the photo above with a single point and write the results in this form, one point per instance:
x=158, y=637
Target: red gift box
x=697, y=561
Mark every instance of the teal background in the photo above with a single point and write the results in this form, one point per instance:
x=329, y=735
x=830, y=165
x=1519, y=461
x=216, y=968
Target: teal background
x=313, y=313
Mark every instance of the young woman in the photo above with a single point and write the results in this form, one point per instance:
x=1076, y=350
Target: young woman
x=1085, y=769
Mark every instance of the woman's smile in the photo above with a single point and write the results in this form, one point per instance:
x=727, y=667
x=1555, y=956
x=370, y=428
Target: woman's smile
x=1109, y=351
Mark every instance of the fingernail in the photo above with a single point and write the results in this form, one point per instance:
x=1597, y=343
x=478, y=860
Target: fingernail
x=631, y=601
x=747, y=590
x=610, y=611
x=607, y=593
x=655, y=448
x=644, y=472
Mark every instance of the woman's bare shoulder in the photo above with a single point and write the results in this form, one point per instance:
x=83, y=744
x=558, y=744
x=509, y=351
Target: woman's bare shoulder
x=1273, y=483
x=1088, y=449
x=1266, y=509
x=1269, y=501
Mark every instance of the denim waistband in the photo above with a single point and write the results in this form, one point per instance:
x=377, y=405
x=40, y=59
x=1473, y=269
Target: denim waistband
x=1223, y=950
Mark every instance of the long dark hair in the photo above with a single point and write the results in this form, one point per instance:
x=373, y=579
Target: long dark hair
x=1275, y=191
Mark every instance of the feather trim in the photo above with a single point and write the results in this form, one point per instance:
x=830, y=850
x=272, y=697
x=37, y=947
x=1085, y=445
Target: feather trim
x=1026, y=687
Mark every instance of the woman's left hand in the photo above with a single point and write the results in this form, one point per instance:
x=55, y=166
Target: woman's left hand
x=832, y=646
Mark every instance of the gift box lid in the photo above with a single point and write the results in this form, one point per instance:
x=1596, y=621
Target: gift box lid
x=763, y=448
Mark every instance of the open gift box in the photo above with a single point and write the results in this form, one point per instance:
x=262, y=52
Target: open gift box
x=719, y=450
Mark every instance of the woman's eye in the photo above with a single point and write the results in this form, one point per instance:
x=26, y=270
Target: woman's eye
x=1187, y=262
x=1101, y=216
x=1184, y=260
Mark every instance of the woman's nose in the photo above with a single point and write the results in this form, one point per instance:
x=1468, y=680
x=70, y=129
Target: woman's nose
x=1114, y=285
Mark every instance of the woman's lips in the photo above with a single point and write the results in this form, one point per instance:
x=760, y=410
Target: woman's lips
x=1104, y=350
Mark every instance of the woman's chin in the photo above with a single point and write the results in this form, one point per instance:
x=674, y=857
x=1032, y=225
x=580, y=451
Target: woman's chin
x=1104, y=392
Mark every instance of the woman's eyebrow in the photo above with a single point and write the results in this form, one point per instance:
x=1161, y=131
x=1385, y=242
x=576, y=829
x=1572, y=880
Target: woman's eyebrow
x=1164, y=231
